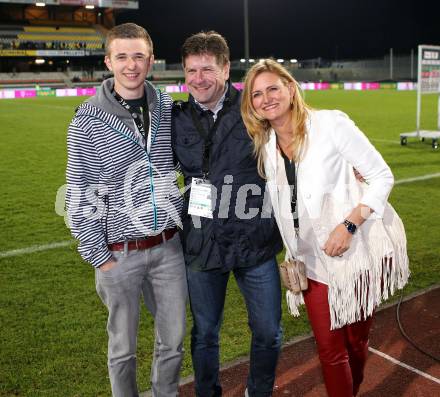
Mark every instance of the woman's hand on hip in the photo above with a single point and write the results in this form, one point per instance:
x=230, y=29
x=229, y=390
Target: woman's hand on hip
x=338, y=241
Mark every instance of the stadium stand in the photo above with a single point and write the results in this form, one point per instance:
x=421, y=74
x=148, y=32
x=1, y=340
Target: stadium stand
x=64, y=36
x=23, y=80
x=50, y=38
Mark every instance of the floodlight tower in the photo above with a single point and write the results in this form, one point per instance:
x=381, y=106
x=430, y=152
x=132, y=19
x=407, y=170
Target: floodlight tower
x=246, y=33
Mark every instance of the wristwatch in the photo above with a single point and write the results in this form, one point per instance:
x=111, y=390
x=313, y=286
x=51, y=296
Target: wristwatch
x=350, y=226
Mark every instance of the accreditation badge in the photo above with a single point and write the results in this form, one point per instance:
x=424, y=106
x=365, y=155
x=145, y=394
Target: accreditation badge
x=200, y=200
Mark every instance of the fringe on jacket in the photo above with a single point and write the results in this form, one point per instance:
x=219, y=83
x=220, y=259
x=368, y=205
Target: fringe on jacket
x=375, y=266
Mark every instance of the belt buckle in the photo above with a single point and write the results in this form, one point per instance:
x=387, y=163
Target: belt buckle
x=137, y=246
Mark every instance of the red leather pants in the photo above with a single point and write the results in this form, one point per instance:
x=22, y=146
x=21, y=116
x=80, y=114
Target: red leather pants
x=342, y=352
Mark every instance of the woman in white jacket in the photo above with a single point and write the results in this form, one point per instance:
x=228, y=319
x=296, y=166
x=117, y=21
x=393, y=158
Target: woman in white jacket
x=323, y=214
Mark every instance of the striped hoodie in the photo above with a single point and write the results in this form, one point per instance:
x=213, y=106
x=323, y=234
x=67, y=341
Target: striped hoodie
x=117, y=189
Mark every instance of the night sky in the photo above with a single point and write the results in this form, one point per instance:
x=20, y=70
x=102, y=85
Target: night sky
x=302, y=29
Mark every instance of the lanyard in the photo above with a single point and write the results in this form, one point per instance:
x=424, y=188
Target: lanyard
x=206, y=135
x=142, y=125
x=291, y=175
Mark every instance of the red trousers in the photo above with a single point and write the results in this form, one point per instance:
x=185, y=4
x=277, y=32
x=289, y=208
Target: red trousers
x=342, y=352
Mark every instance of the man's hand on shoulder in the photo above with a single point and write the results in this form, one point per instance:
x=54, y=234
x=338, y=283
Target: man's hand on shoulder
x=106, y=266
x=178, y=105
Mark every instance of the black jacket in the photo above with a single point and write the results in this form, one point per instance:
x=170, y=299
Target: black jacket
x=226, y=241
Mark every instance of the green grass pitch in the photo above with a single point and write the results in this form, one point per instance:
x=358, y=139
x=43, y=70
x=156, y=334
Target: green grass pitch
x=53, y=340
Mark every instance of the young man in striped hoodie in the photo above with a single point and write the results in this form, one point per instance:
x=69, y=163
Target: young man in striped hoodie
x=124, y=208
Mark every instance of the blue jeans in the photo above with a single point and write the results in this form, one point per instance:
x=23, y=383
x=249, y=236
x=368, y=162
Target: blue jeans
x=260, y=286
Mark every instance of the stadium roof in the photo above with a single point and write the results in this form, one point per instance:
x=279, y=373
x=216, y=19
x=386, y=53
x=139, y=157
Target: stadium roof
x=132, y=4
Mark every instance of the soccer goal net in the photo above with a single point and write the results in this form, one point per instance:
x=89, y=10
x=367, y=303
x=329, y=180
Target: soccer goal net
x=428, y=82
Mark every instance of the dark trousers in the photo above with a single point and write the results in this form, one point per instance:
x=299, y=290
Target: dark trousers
x=343, y=352
x=260, y=286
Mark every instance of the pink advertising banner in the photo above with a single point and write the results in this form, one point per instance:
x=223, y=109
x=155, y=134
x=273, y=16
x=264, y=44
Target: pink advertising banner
x=361, y=86
x=67, y=92
x=25, y=93
x=7, y=94
x=315, y=86
x=238, y=86
x=406, y=86
x=370, y=86
x=89, y=91
x=172, y=88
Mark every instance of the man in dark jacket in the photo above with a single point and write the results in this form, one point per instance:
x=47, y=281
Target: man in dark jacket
x=226, y=226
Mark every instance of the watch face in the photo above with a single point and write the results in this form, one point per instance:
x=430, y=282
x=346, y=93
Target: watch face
x=351, y=227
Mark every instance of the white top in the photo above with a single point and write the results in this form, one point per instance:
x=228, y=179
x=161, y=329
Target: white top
x=328, y=192
x=307, y=248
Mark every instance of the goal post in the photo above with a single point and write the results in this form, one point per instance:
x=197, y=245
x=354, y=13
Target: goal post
x=428, y=82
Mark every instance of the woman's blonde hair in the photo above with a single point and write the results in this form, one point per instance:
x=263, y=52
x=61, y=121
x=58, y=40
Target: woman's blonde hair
x=257, y=127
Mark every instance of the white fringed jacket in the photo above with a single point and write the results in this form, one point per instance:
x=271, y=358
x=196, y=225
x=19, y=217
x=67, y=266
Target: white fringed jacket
x=376, y=262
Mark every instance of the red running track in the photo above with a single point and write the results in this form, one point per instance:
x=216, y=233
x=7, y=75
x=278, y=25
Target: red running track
x=394, y=369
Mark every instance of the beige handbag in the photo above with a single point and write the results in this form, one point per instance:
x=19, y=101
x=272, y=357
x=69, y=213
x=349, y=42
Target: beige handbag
x=293, y=271
x=293, y=275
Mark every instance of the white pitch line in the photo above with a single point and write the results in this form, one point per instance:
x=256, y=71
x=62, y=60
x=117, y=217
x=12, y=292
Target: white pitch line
x=417, y=178
x=406, y=366
x=44, y=247
x=34, y=248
